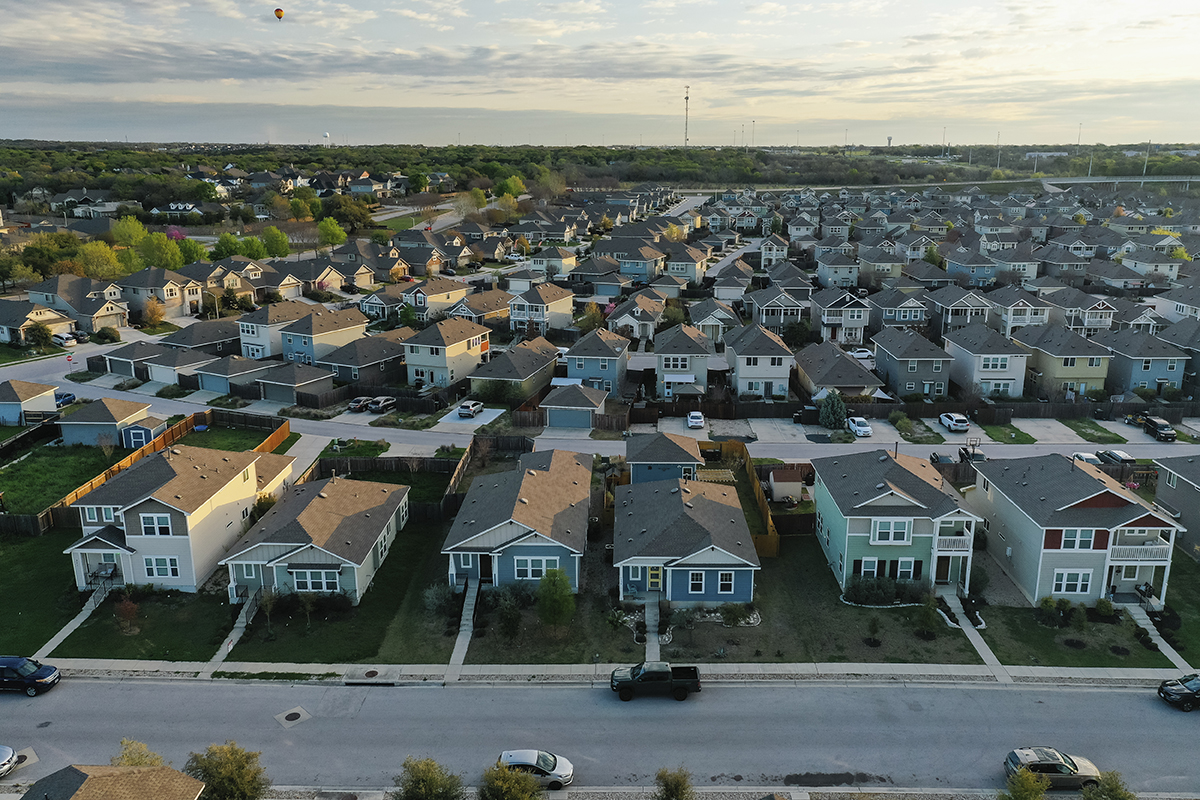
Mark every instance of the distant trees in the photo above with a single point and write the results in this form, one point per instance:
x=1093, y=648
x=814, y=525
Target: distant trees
x=98, y=260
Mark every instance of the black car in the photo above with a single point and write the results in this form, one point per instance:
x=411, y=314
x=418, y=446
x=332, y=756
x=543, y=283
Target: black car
x=1160, y=429
x=20, y=674
x=1183, y=693
x=360, y=403
x=80, y=336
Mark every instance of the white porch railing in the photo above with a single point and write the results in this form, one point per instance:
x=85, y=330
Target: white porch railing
x=1140, y=553
x=954, y=543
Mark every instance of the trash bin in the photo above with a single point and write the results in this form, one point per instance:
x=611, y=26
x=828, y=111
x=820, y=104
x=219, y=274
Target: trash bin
x=798, y=418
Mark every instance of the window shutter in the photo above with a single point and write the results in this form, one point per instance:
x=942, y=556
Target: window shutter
x=1100, y=540
x=1052, y=541
x=917, y=570
x=856, y=567
x=893, y=569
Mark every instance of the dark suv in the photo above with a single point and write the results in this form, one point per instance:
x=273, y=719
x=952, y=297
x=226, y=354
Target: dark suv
x=20, y=674
x=1159, y=428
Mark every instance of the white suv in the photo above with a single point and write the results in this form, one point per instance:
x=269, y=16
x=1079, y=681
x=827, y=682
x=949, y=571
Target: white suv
x=63, y=340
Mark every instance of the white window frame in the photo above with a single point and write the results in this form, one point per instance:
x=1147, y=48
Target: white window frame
x=725, y=579
x=635, y=572
x=162, y=567
x=891, y=527
x=905, y=569
x=316, y=580
x=107, y=514
x=871, y=566
x=1078, y=538
x=693, y=582
x=1125, y=576
x=247, y=572
x=155, y=524
x=526, y=568
x=1172, y=479
x=89, y=514
x=1063, y=581
x=466, y=560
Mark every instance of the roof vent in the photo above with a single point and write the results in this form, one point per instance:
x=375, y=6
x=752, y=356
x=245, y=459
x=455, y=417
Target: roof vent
x=631, y=539
x=178, y=497
x=879, y=486
x=881, y=460
x=676, y=489
x=347, y=542
x=177, y=451
x=689, y=505
x=739, y=544
x=643, y=530
x=531, y=472
x=225, y=459
x=523, y=501
x=1041, y=498
x=203, y=477
x=844, y=476
x=322, y=495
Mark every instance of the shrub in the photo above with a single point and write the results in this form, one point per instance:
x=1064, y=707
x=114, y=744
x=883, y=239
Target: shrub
x=1047, y=612
x=674, y=784
x=1025, y=785
x=912, y=591
x=913, y=397
x=1104, y=607
x=1079, y=617
x=927, y=616
x=425, y=779
x=979, y=579
x=439, y=599
x=336, y=603
x=833, y=412
x=865, y=591
x=1111, y=787
x=106, y=335
x=896, y=416
x=230, y=772
x=1063, y=606
x=734, y=614
x=509, y=614
x=502, y=783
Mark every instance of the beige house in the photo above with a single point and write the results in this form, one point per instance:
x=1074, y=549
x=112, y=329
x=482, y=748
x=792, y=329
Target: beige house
x=179, y=295
x=446, y=351
x=1062, y=361
x=542, y=307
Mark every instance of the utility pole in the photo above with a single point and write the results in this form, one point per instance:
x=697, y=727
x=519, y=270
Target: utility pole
x=752, y=132
x=1091, y=156
x=997, y=149
x=744, y=137
x=686, y=109
x=1145, y=164
x=943, y=141
x=1079, y=140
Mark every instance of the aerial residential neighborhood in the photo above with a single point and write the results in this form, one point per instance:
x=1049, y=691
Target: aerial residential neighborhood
x=889, y=434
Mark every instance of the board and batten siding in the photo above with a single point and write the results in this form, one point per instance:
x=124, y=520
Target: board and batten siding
x=504, y=566
x=678, y=584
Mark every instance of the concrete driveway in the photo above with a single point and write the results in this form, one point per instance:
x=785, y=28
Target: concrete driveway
x=678, y=426
x=452, y=423
x=1131, y=433
x=268, y=407
x=777, y=430
x=1049, y=431
x=150, y=388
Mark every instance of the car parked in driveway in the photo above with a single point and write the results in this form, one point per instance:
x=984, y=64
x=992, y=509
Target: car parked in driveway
x=858, y=426
x=382, y=404
x=1063, y=771
x=695, y=419
x=8, y=760
x=471, y=408
x=63, y=399
x=553, y=772
x=1160, y=429
x=81, y=336
x=63, y=340
x=1183, y=693
x=360, y=403
x=20, y=674
x=954, y=422
x=1087, y=458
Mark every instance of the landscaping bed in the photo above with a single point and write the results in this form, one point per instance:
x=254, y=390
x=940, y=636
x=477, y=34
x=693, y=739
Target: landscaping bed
x=1092, y=431
x=169, y=626
x=804, y=620
x=39, y=589
x=914, y=431
x=389, y=626
x=1018, y=639
x=49, y=473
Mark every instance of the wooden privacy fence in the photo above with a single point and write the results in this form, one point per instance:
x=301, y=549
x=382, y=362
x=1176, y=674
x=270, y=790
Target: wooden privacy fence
x=767, y=545
x=27, y=438
x=61, y=515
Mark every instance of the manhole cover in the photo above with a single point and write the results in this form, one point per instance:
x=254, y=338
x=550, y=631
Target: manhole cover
x=292, y=717
x=371, y=673
x=22, y=759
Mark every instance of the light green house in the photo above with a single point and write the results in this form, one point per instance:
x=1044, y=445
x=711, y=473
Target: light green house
x=883, y=515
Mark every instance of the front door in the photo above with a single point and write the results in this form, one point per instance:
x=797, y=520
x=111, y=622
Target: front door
x=654, y=579
x=768, y=388
x=485, y=568
x=943, y=570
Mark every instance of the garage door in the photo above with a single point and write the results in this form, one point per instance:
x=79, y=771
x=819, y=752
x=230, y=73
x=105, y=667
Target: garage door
x=281, y=394
x=568, y=418
x=120, y=366
x=291, y=291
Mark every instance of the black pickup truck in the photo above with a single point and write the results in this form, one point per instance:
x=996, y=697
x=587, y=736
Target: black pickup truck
x=655, y=677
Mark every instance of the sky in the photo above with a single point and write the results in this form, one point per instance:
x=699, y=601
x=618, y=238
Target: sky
x=599, y=72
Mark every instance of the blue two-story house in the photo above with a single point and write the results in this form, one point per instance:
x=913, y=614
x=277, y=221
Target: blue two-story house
x=662, y=456
x=686, y=539
x=513, y=526
x=599, y=360
x=1141, y=361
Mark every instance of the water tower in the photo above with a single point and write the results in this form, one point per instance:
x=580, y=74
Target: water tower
x=889, y=140
x=326, y=138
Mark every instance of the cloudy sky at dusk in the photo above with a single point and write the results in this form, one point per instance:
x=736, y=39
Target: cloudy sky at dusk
x=597, y=71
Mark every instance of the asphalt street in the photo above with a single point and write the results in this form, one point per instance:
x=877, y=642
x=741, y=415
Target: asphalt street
x=807, y=735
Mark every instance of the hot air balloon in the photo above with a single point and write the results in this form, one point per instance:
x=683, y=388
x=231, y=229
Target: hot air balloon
x=279, y=13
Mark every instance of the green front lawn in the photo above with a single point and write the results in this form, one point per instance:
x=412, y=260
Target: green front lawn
x=287, y=443
x=9, y=431
x=1017, y=638
x=170, y=626
x=423, y=487
x=1093, y=431
x=357, y=448
x=160, y=328
x=400, y=223
x=1183, y=595
x=390, y=625
x=804, y=619
x=1007, y=434
x=39, y=589
x=83, y=376
x=172, y=391
x=11, y=355
x=49, y=473
x=232, y=439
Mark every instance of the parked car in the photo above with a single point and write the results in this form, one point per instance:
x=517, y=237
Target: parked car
x=63, y=399
x=20, y=674
x=655, y=677
x=1087, y=458
x=380, y=405
x=862, y=354
x=470, y=408
x=858, y=426
x=81, y=336
x=1063, y=771
x=63, y=340
x=695, y=419
x=940, y=458
x=407, y=278
x=553, y=772
x=1136, y=418
x=8, y=760
x=349, y=288
x=1160, y=429
x=360, y=403
x=954, y=422
x=449, y=271
x=971, y=454
x=1115, y=457
x=1183, y=693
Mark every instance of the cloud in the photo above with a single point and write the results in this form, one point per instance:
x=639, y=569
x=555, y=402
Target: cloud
x=432, y=20
x=767, y=9
x=576, y=7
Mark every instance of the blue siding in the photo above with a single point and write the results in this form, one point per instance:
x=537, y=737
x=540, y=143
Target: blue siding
x=568, y=418
x=679, y=580
x=645, y=473
x=504, y=568
x=629, y=583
